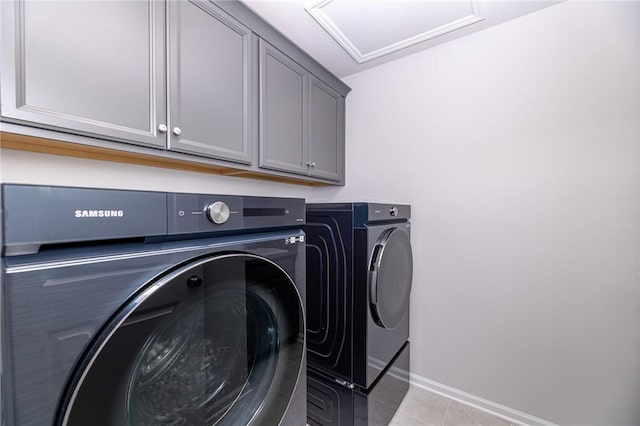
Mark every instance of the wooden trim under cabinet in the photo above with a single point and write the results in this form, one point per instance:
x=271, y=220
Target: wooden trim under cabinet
x=68, y=149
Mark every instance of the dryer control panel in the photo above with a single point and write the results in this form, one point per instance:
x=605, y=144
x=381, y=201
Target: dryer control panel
x=379, y=212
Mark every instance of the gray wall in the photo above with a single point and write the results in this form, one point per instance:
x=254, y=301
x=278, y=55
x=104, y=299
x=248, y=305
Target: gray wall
x=518, y=148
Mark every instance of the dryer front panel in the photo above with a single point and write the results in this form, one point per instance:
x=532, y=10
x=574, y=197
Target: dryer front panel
x=383, y=280
x=219, y=340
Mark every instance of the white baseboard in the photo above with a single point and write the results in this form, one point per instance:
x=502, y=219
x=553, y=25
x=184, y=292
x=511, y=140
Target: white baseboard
x=514, y=416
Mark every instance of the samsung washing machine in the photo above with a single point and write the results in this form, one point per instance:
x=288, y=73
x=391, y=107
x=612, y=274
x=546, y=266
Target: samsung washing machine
x=149, y=308
x=359, y=277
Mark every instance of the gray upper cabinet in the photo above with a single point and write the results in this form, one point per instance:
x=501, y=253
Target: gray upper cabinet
x=326, y=131
x=283, y=112
x=210, y=82
x=94, y=67
x=99, y=68
x=199, y=81
x=301, y=119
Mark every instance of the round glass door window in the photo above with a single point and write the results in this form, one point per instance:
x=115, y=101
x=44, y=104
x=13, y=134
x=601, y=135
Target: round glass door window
x=217, y=342
x=391, y=275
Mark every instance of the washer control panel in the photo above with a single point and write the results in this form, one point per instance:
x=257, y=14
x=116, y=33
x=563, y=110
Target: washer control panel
x=196, y=213
x=34, y=215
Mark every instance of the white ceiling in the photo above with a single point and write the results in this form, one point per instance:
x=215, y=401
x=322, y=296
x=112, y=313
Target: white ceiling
x=349, y=36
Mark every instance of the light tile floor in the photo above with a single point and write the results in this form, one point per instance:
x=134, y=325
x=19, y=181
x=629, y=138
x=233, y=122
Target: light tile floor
x=423, y=408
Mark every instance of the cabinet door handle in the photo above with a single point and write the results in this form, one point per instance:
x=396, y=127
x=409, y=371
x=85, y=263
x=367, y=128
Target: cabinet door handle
x=177, y=131
x=310, y=163
x=163, y=128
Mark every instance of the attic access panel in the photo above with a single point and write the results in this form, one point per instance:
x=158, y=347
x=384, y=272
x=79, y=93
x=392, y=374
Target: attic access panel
x=368, y=30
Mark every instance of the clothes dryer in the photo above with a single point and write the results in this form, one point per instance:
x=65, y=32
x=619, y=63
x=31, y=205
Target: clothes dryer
x=150, y=308
x=359, y=277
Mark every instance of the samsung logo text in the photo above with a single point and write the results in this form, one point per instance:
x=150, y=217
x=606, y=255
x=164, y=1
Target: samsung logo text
x=99, y=213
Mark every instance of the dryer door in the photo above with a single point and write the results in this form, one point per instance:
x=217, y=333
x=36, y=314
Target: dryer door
x=390, y=276
x=217, y=341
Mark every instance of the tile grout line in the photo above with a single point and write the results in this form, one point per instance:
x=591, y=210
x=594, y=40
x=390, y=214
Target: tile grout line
x=446, y=412
x=408, y=414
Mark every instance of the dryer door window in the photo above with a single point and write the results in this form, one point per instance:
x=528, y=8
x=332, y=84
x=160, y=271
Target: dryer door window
x=390, y=276
x=218, y=341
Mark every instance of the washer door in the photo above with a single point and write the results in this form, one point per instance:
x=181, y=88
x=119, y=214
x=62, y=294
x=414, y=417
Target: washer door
x=390, y=276
x=217, y=342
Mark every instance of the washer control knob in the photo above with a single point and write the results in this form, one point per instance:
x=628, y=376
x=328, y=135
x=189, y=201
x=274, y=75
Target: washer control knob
x=393, y=211
x=218, y=212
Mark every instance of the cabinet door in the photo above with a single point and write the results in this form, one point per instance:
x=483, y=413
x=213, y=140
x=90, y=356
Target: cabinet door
x=90, y=67
x=326, y=131
x=210, y=87
x=283, y=112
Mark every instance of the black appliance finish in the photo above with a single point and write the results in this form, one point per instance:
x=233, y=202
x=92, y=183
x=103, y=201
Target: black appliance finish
x=150, y=308
x=331, y=403
x=359, y=275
